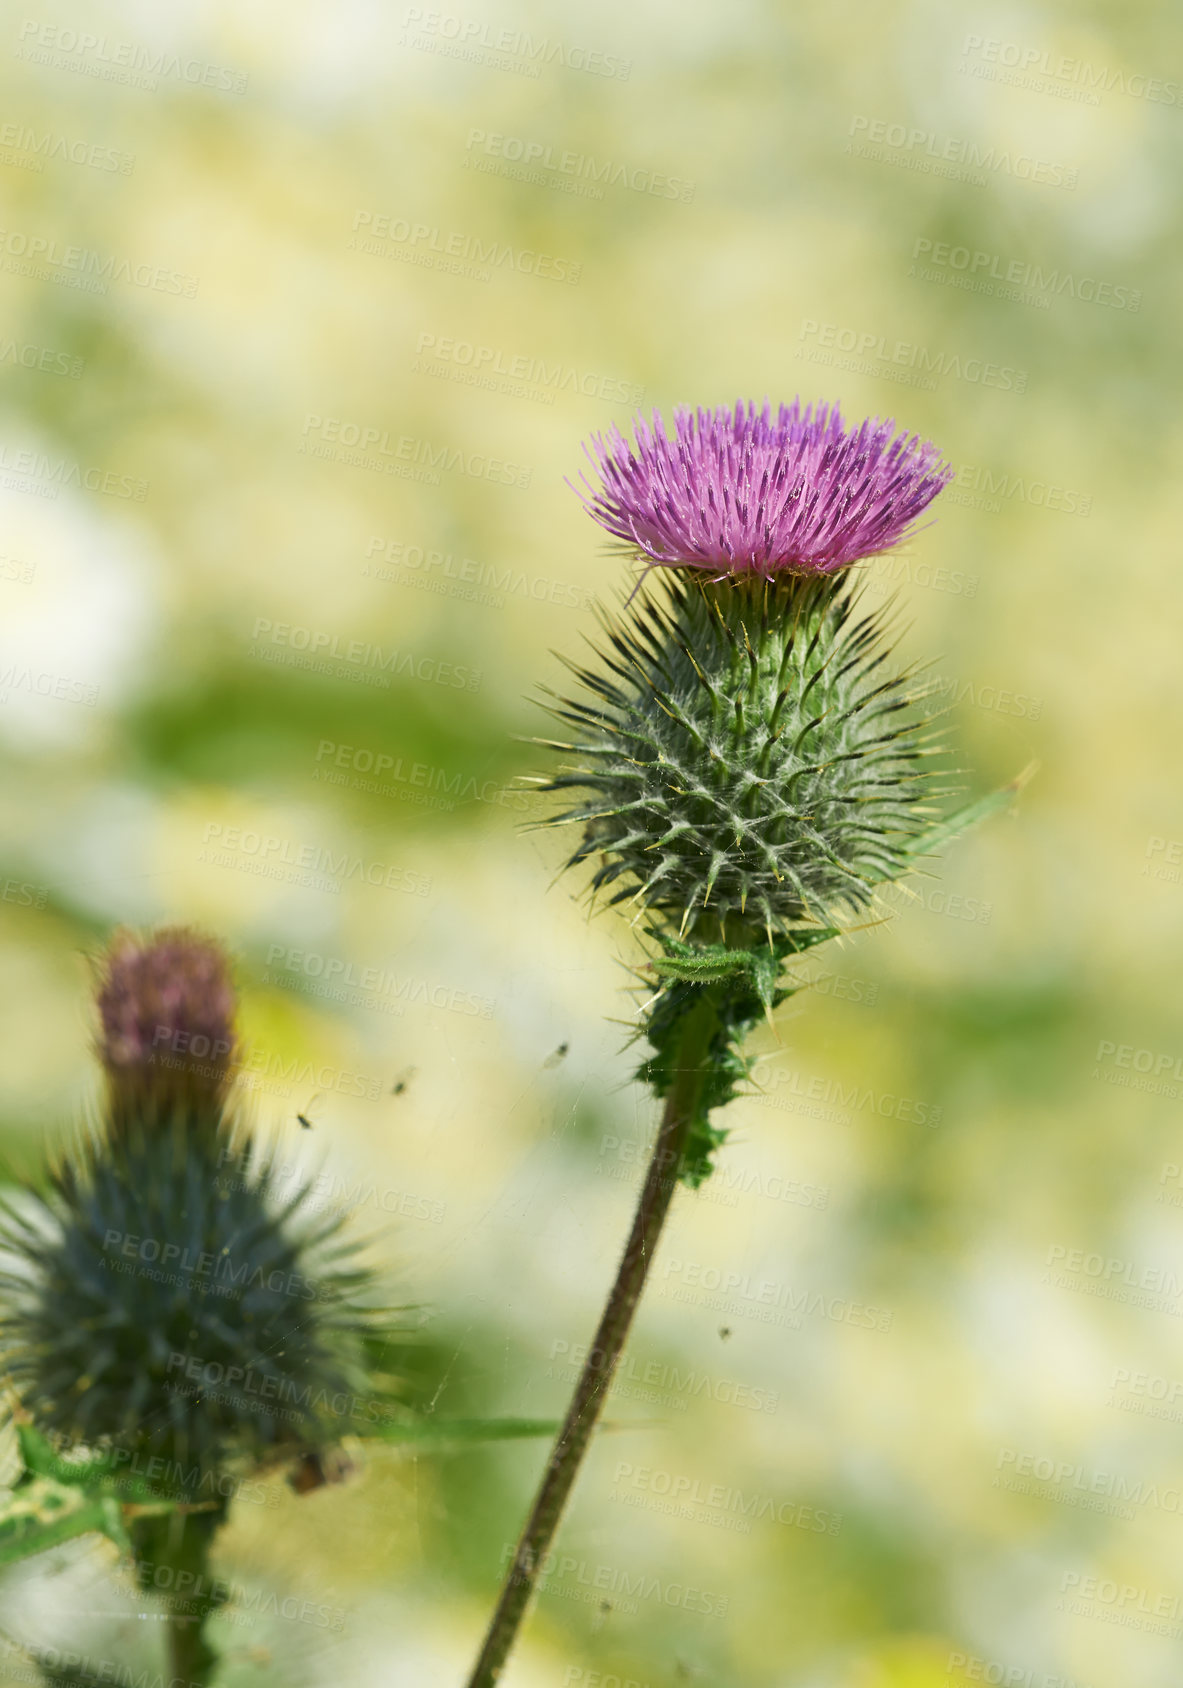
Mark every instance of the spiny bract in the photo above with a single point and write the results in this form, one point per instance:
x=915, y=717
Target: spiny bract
x=748, y=759
x=169, y=1298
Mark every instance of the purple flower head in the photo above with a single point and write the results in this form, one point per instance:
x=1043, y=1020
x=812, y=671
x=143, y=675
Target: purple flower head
x=746, y=492
x=166, y=1010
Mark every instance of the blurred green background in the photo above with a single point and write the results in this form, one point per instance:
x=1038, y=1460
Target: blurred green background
x=307, y=310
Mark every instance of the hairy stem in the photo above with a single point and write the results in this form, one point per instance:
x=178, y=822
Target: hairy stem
x=595, y=1380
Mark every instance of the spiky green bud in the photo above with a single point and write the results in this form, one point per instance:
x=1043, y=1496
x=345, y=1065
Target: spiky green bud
x=166, y=1296
x=170, y=1303
x=748, y=759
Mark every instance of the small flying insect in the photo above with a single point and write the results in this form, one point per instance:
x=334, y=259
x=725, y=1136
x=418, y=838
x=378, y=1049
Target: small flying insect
x=557, y=1055
x=724, y=1332
x=402, y=1081
x=307, y=1119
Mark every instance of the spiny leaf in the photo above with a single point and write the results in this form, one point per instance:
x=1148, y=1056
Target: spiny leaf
x=937, y=836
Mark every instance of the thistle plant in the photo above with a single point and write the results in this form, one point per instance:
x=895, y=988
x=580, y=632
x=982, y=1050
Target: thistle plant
x=174, y=1322
x=744, y=767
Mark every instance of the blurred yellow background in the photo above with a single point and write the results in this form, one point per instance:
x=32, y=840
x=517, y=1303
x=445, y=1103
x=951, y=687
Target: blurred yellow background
x=307, y=311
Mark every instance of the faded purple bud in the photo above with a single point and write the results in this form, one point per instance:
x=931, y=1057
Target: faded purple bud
x=743, y=492
x=166, y=1006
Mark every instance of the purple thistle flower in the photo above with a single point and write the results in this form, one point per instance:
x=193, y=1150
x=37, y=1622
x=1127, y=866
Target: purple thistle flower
x=743, y=492
x=166, y=1009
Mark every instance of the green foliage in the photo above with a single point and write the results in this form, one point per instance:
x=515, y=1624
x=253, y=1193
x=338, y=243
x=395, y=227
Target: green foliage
x=745, y=985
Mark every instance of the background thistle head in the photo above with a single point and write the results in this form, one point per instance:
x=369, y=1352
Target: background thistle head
x=172, y=1294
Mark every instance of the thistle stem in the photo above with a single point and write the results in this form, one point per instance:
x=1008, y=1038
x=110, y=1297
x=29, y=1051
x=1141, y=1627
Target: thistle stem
x=179, y=1545
x=595, y=1380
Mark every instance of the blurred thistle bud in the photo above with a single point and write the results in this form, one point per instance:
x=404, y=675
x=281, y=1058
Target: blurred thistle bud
x=172, y=1295
x=747, y=762
x=166, y=1012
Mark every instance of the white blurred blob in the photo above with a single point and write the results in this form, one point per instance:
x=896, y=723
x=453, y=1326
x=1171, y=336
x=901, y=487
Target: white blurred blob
x=103, y=847
x=72, y=637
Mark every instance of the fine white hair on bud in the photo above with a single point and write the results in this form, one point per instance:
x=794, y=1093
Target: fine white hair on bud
x=745, y=755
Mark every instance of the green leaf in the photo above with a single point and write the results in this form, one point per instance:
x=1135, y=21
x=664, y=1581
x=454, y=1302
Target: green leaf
x=55, y=1499
x=42, y=1461
x=937, y=836
x=43, y=1514
x=758, y=968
